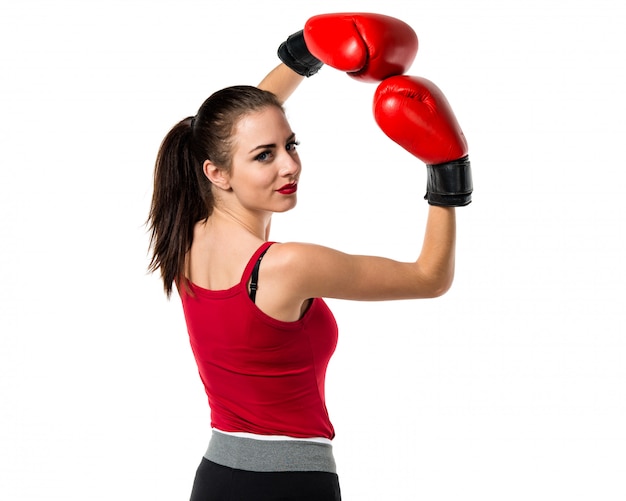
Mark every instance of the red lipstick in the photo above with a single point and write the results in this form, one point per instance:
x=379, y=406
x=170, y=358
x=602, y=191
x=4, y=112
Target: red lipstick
x=288, y=189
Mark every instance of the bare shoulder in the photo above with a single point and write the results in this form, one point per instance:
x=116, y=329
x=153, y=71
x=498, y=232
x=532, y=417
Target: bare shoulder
x=305, y=259
x=285, y=279
x=297, y=252
x=303, y=267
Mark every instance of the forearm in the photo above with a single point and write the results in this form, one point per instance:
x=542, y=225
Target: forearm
x=281, y=81
x=437, y=257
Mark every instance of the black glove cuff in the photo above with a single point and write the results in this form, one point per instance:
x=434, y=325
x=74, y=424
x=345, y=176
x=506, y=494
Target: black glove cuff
x=295, y=54
x=450, y=184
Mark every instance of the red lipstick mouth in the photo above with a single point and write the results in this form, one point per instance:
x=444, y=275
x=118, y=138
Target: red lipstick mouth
x=288, y=189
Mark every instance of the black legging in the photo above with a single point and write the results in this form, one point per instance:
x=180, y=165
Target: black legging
x=214, y=482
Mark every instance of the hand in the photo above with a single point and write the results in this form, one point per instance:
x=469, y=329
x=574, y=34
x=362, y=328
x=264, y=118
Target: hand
x=414, y=113
x=369, y=47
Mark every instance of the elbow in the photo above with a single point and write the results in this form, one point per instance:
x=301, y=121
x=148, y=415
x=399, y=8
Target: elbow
x=446, y=281
x=437, y=284
x=440, y=287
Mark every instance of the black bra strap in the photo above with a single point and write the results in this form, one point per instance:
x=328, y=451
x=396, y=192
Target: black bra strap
x=254, y=280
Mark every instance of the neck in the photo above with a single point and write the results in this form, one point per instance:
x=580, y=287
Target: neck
x=255, y=224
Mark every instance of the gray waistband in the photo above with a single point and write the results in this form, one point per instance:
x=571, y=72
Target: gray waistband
x=270, y=455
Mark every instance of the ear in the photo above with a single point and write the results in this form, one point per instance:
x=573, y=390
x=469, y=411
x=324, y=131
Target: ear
x=218, y=177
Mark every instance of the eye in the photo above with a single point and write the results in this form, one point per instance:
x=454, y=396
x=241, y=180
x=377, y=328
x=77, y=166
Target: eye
x=264, y=156
x=293, y=146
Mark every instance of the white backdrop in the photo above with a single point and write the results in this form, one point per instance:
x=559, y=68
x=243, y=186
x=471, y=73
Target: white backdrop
x=512, y=386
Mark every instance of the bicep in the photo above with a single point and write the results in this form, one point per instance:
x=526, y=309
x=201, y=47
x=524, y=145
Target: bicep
x=317, y=271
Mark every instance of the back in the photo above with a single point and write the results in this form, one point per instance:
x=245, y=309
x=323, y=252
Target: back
x=261, y=375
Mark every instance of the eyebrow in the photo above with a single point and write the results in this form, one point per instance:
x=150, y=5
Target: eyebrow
x=269, y=146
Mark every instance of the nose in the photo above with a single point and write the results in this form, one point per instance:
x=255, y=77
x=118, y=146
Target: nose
x=290, y=166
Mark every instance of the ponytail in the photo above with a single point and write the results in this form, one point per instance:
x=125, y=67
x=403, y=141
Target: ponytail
x=178, y=202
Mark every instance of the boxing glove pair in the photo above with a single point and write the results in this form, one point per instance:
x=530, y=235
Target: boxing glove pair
x=412, y=111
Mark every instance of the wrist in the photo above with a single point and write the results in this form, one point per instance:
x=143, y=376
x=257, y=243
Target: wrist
x=295, y=54
x=449, y=184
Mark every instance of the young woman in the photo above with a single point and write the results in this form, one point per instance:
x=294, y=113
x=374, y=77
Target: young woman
x=260, y=331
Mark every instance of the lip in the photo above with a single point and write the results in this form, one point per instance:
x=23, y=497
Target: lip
x=288, y=189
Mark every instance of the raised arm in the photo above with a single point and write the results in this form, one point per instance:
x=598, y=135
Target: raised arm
x=297, y=63
x=415, y=114
x=282, y=81
x=316, y=271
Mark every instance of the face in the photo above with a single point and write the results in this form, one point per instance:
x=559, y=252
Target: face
x=265, y=163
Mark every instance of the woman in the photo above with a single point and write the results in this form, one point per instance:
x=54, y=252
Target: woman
x=260, y=332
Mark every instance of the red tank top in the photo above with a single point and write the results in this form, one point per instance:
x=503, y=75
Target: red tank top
x=261, y=375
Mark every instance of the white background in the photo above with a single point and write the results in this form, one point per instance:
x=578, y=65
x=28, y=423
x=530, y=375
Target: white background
x=512, y=386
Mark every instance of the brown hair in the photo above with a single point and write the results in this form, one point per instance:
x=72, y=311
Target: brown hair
x=182, y=194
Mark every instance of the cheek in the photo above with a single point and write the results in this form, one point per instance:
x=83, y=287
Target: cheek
x=256, y=184
x=264, y=177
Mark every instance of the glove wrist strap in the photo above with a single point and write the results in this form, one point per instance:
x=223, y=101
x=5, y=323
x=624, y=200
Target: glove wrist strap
x=449, y=184
x=295, y=54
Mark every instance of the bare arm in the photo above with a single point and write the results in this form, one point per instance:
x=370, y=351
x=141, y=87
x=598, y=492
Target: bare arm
x=438, y=250
x=282, y=81
x=315, y=271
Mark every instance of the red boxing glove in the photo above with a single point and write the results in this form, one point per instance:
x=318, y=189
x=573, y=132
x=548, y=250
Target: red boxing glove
x=369, y=47
x=414, y=113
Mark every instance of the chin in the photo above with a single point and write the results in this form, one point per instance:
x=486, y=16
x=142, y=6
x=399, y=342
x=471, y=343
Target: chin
x=287, y=208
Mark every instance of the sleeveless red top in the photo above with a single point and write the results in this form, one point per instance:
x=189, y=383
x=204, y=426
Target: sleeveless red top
x=261, y=375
